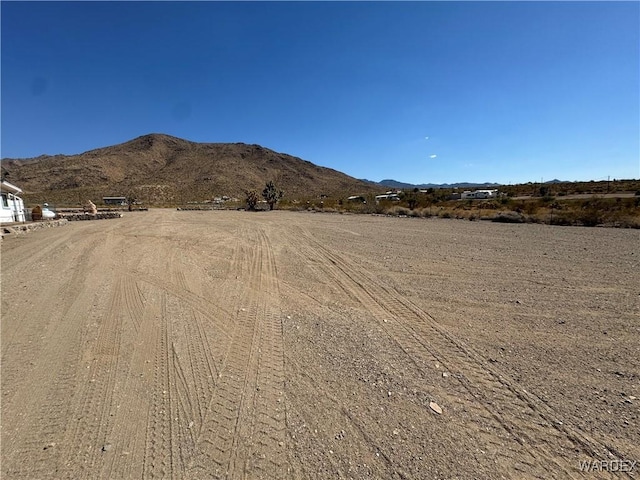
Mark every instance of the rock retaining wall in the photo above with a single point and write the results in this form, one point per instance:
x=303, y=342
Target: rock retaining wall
x=19, y=228
x=89, y=216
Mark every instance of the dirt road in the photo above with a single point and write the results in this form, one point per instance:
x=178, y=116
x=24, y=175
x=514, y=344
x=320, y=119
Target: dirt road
x=197, y=345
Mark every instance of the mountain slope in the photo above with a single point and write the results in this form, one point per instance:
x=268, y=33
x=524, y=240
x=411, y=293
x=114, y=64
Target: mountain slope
x=159, y=168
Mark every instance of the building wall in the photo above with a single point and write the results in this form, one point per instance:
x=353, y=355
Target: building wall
x=11, y=208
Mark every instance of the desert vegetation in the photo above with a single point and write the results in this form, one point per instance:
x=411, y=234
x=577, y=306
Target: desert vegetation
x=271, y=194
x=251, y=199
x=555, y=205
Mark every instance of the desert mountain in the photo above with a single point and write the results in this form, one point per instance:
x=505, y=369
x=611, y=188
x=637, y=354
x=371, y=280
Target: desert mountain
x=395, y=184
x=159, y=168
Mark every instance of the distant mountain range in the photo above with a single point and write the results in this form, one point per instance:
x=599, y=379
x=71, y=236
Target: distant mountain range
x=402, y=185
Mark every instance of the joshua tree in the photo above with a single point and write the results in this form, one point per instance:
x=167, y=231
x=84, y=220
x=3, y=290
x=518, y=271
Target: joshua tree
x=411, y=198
x=271, y=194
x=252, y=199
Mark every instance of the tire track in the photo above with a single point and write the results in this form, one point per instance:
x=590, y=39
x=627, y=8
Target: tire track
x=495, y=399
x=133, y=301
x=202, y=305
x=158, y=458
x=130, y=422
x=93, y=407
x=203, y=370
x=271, y=410
x=176, y=272
x=31, y=338
x=243, y=433
x=41, y=412
x=265, y=457
x=182, y=411
x=218, y=431
x=199, y=377
x=370, y=444
x=28, y=256
x=188, y=364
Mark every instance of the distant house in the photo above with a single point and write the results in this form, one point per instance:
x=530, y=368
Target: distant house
x=478, y=194
x=12, y=206
x=388, y=196
x=115, y=200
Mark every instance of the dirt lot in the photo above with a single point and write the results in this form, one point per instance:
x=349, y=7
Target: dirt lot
x=195, y=345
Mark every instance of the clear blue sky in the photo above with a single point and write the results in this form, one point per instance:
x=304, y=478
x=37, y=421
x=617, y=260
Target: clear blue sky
x=507, y=92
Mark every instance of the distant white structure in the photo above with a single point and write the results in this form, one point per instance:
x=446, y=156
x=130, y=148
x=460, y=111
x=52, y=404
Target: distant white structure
x=122, y=201
x=11, y=206
x=477, y=194
x=388, y=196
x=47, y=213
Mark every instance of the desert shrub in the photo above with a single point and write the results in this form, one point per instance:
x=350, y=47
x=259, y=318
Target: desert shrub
x=561, y=220
x=488, y=205
x=590, y=218
x=509, y=217
x=411, y=198
x=592, y=212
x=629, y=222
x=421, y=212
x=530, y=207
x=396, y=211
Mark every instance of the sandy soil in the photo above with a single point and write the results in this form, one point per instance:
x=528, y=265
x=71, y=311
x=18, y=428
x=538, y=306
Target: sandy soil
x=198, y=345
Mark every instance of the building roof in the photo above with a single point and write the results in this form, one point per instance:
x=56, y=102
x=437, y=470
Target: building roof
x=9, y=187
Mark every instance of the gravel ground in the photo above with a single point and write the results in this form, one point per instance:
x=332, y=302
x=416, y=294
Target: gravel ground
x=298, y=345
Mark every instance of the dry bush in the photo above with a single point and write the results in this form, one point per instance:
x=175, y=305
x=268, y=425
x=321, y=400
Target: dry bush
x=397, y=211
x=509, y=217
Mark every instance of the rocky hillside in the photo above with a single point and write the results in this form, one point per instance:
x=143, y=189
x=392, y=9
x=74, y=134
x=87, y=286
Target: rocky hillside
x=160, y=169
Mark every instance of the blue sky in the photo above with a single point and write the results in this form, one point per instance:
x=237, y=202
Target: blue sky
x=506, y=92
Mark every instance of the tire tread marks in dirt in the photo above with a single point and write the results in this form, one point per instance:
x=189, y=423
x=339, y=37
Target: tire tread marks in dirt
x=92, y=408
x=495, y=399
x=53, y=377
x=130, y=419
x=243, y=433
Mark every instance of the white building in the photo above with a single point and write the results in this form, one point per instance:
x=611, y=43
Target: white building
x=388, y=196
x=469, y=195
x=11, y=206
